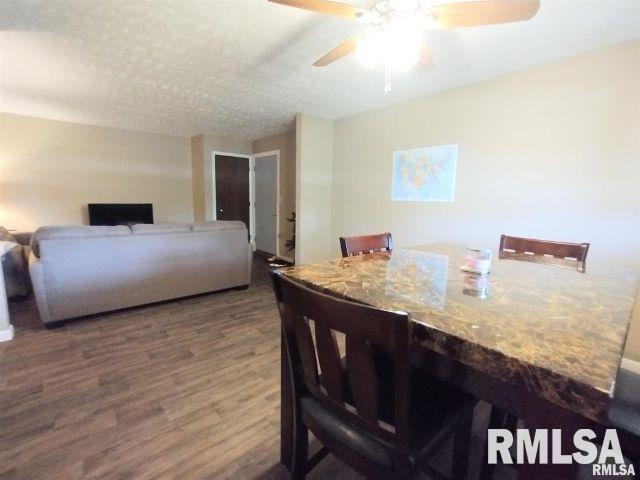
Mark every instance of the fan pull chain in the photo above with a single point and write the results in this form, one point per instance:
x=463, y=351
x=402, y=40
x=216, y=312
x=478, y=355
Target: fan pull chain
x=387, y=79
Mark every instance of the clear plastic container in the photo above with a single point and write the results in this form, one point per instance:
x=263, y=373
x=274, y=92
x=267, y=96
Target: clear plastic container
x=477, y=261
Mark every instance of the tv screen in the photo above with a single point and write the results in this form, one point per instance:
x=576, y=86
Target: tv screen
x=120, y=213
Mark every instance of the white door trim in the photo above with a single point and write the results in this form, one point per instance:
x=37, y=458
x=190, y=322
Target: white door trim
x=253, y=190
x=252, y=220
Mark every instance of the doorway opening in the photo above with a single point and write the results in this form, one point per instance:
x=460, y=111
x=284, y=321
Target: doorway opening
x=266, y=202
x=247, y=188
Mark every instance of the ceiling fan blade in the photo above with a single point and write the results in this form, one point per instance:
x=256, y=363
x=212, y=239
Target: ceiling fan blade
x=425, y=61
x=486, y=12
x=345, y=48
x=323, y=6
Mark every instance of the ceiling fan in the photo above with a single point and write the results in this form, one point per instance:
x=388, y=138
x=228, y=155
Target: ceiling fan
x=395, y=36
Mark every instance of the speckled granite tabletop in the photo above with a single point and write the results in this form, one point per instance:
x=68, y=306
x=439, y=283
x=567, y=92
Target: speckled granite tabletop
x=558, y=330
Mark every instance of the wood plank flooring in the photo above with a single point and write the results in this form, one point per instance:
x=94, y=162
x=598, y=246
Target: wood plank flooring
x=186, y=389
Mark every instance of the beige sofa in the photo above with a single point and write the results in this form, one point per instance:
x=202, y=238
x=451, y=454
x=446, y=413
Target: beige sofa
x=82, y=270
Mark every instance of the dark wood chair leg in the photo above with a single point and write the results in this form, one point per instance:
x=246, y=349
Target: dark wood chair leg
x=461, y=449
x=300, y=464
x=287, y=437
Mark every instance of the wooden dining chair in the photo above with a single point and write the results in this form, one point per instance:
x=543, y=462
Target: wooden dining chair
x=574, y=252
x=369, y=415
x=548, y=248
x=366, y=244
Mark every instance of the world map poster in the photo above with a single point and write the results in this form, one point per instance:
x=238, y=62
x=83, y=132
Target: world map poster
x=425, y=174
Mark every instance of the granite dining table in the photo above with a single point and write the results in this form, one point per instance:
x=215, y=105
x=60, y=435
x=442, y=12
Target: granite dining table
x=541, y=341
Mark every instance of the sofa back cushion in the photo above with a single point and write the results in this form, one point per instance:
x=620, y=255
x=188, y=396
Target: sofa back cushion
x=156, y=228
x=216, y=226
x=76, y=231
x=79, y=231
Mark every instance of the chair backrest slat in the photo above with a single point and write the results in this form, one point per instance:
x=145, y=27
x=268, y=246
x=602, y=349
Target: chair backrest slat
x=330, y=364
x=306, y=349
x=340, y=315
x=351, y=392
x=362, y=378
x=566, y=250
x=366, y=244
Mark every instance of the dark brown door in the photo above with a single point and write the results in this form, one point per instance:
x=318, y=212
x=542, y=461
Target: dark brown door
x=232, y=188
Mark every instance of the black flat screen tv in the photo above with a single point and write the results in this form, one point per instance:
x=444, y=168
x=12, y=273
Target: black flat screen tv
x=120, y=213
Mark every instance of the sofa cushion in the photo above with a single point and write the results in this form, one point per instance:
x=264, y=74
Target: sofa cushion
x=155, y=228
x=217, y=225
x=14, y=269
x=51, y=232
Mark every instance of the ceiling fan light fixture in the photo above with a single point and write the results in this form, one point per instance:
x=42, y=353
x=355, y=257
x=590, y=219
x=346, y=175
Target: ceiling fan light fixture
x=382, y=7
x=371, y=18
x=368, y=52
x=408, y=7
x=396, y=46
x=396, y=27
x=402, y=52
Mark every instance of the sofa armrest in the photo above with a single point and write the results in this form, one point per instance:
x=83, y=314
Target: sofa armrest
x=36, y=270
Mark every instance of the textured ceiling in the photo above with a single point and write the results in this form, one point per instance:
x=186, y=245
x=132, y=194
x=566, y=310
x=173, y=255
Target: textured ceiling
x=243, y=67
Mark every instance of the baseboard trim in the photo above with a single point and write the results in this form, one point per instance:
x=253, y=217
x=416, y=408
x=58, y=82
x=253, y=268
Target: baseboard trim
x=6, y=334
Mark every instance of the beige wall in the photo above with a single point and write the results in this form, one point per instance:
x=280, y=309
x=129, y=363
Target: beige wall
x=314, y=177
x=285, y=143
x=50, y=170
x=550, y=152
x=197, y=178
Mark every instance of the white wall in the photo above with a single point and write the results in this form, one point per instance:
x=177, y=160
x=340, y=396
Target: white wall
x=314, y=163
x=50, y=170
x=550, y=152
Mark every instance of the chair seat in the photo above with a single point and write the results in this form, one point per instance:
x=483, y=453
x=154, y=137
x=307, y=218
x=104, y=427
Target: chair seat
x=315, y=414
x=436, y=410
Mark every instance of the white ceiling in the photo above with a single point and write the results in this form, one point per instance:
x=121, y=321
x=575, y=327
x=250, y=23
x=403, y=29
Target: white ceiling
x=243, y=67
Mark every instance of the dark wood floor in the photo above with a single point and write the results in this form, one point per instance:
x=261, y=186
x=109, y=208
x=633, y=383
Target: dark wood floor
x=184, y=389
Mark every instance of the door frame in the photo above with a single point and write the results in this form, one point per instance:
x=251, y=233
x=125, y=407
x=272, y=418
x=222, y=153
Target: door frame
x=252, y=219
x=252, y=186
